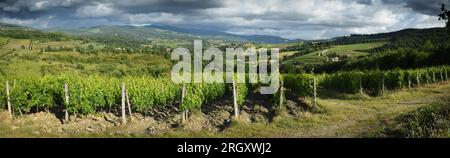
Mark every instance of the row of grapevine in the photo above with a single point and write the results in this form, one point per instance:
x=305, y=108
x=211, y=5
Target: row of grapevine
x=147, y=92
x=32, y=92
x=200, y=94
x=348, y=82
x=2, y=96
x=355, y=81
x=242, y=91
x=374, y=82
x=301, y=84
x=89, y=94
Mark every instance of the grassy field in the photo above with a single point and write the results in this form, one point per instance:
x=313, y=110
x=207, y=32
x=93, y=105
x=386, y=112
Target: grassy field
x=281, y=46
x=3, y=41
x=351, y=50
x=310, y=58
x=318, y=57
x=15, y=61
x=16, y=44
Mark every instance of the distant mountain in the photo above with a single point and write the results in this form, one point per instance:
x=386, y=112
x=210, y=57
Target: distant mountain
x=124, y=32
x=199, y=32
x=157, y=32
x=266, y=39
x=212, y=33
x=137, y=33
x=10, y=26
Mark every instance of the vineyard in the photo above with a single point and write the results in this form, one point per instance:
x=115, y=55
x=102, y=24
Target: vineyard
x=68, y=71
x=377, y=82
x=91, y=94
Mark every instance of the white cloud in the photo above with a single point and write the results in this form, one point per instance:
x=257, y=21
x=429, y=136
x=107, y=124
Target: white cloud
x=305, y=19
x=41, y=5
x=38, y=22
x=95, y=11
x=313, y=19
x=167, y=18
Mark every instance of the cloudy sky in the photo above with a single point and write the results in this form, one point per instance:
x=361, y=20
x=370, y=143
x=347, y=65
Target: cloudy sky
x=304, y=19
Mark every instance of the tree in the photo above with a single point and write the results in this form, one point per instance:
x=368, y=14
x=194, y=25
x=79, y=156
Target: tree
x=90, y=47
x=445, y=15
x=428, y=46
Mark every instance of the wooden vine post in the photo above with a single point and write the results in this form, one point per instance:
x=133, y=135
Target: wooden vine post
x=124, y=121
x=434, y=77
x=184, y=113
x=442, y=76
x=418, y=80
x=8, y=99
x=30, y=45
x=236, y=110
x=128, y=103
x=383, y=89
x=409, y=81
x=446, y=77
x=360, y=85
x=281, y=95
x=315, y=91
x=18, y=108
x=66, y=94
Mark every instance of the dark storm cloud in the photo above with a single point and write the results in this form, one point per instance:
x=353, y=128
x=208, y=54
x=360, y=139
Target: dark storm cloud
x=366, y=2
x=90, y=13
x=27, y=9
x=429, y=7
x=289, y=18
x=167, y=6
x=36, y=8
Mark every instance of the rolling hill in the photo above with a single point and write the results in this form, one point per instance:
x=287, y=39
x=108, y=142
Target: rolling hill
x=10, y=26
x=159, y=32
x=215, y=34
x=407, y=34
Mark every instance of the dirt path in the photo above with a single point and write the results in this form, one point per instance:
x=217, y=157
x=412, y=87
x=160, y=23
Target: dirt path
x=372, y=116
